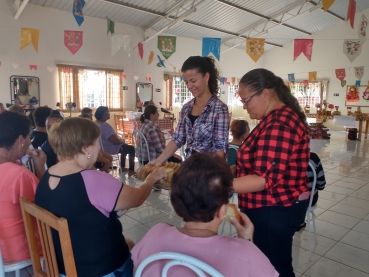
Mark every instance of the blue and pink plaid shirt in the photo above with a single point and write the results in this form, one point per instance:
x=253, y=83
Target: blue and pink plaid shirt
x=210, y=130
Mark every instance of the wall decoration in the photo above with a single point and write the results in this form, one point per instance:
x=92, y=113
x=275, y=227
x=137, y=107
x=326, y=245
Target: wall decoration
x=327, y=4
x=33, y=67
x=211, y=45
x=78, y=11
x=29, y=36
x=343, y=83
x=362, y=29
x=365, y=94
x=124, y=76
x=223, y=80
x=351, y=12
x=255, y=48
x=291, y=78
x=304, y=46
x=167, y=45
x=166, y=77
x=73, y=40
x=312, y=76
x=119, y=41
x=136, y=77
x=110, y=26
x=357, y=96
x=15, y=65
x=151, y=57
x=140, y=50
x=148, y=77
x=161, y=62
x=50, y=69
x=340, y=73
x=352, y=49
x=359, y=72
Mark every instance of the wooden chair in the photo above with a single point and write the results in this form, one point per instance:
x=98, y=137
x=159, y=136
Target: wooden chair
x=45, y=220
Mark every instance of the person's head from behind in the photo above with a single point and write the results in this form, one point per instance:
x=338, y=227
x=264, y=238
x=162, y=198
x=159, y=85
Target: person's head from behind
x=15, y=133
x=16, y=109
x=240, y=129
x=200, y=75
x=201, y=187
x=2, y=108
x=151, y=113
x=76, y=139
x=51, y=120
x=102, y=113
x=87, y=111
x=40, y=115
x=261, y=91
x=86, y=116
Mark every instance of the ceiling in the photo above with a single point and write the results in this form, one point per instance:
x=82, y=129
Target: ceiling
x=278, y=21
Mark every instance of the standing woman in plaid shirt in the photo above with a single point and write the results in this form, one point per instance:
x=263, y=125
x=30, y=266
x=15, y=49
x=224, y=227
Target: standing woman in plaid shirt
x=204, y=120
x=271, y=166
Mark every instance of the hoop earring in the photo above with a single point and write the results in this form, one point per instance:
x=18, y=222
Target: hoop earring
x=88, y=156
x=22, y=144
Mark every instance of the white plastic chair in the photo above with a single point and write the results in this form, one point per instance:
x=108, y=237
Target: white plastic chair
x=116, y=157
x=199, y=267
x=14, y=266
x=311, y=209
x=139, y=141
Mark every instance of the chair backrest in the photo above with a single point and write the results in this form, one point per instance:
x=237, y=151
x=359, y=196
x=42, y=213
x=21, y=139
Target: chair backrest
x=313, y=187
x=199, y=267
x=45, y=220
x=232, y=153
x=139, y=141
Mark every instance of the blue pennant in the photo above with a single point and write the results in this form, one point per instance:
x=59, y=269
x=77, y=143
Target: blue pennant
x=78, y=11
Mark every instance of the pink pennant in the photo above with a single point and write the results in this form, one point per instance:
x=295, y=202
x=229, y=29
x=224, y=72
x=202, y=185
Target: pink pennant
x=303, y=46
x=341, y=74
x=33, y=66
x=124, y=76
x=228, y=83
x=351, y=12
x=306, y=83
x=140, y=50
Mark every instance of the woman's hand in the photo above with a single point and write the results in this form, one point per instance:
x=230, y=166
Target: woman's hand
x=155, y=162
x=38, y=156
x=245, y=229
x=156, y=175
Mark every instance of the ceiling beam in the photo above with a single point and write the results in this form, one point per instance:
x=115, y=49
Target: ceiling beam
x=19, y=6
x=328, y=11
x=134, y=7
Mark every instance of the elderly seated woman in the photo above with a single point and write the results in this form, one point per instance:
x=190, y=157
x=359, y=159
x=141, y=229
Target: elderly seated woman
x=16, y=181
x=89, y=199
x=200, y=191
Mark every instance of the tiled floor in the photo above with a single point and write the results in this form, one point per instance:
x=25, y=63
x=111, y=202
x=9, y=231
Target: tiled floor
x=342, y=247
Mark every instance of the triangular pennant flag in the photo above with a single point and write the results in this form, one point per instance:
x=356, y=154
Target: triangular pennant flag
x=312, y=76
x=0, y=63
x=228, y=83
x=352, y=49
x=303, y=46
x=305, y=83
x=211, y=45
x=110, y=26
x=340, y=73
x=255, y=48
x=124, y=76
x=358, y=83
x=78, y=11
x=140, y=50
x=136, y=77
x=343, y=83
x=291, y=78
x=151, y=57
x=233, y=80
x=166, y=77
x=351, y=12
x=359, y=72
x=362, y=28
x=51, y=69
x=167, y=45
x=33, y=66
x=148, y=77
x=73, y=40
x=29, y=36
x=119, y=41
x=327, y=4
x=15, y=65
x=161, y=62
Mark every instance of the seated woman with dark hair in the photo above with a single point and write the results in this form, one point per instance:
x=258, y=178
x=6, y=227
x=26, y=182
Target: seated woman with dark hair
x=240, y=131
x=154, y=136
x=200, y=191
x=39, y=135
x=86, y=112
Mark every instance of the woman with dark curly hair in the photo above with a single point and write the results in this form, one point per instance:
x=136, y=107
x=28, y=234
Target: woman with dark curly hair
x=204, y=121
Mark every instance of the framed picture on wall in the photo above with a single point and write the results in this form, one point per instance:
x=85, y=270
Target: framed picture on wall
x=357, y=96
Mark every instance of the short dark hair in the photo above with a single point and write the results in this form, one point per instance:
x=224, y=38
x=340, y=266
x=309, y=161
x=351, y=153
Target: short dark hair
x=150, y=109
x=85, y=115
x=12, y=125
x=204, y=65
x=59, y=116
x=238, y=128
x=56, y=112
x=86, y=110
x=100, y=111
x=201, y=185
x=40, y=115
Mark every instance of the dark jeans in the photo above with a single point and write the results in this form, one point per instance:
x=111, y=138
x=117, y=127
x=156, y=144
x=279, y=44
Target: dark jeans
x=130, y=150
x=171, y=159
x=274, y=230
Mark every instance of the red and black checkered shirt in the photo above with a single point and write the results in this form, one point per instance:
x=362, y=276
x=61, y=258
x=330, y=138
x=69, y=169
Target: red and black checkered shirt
x=278, y=150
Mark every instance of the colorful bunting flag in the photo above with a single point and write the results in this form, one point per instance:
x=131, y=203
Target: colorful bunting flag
x=359, y=72
x=312, y=76
x=119, y=41
x=211, y=45
x=305, y=83
x=29, y=36
x=222, y=80
x=327, y=4
x=160, y=63
x=15, y=65
x=124, y=76
x=73, y=40
x=340, y=73
x=136, y=77
x=50, y=68
x=166, y=77
x=358, y=83
x=78, y=11
x=352, y=49
x=362, y=29
x=151, y=57
x=233, y=80
x=291, y=78
x=148, y=77
x=255, y=48
x=33, y=67
x=167, y=45
x=343, y=83
x=304, y=46
x=351, y=12
x=110, y=25
x=140, y=50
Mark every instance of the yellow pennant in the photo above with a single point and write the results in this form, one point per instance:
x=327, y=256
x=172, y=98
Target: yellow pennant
x=312, y=76
x=255, y=48
x=233, y=80
x=29, y=36
x=327, y=4
x=151, y=57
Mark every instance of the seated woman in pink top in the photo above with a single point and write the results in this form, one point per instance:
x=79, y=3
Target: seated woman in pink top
x=200, y=192
x=16, y=181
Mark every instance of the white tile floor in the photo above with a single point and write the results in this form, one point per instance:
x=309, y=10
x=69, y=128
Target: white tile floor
x=342, y=247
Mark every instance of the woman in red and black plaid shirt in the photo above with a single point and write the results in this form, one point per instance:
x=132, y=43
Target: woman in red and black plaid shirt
x=271, y=166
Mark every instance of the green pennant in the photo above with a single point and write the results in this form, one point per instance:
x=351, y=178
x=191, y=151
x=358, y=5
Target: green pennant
x=167, y=45
x=110, y=25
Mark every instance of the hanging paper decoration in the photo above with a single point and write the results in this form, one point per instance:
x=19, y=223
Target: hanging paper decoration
x=222, y=80
x=352, y=49
x=167, y=46
x=327, y=4
x=343, y=83
x=160, y=63
x=140, y=50
x=136, y=77
x=119, y=41
x=151, y=57
x=228, y=83
x=33, y=66
x=255, y=48
x=124, y=76
x=362, y=29
x=78, y=11
x=305, y=83
x=233, y=80
x=50, y=69
x=166, y=77
x=358, y=83
x=291, y=78
x=365, y=95
x=312, y=76
x=359, y=72
x=73, y=40
x=211, y=45
x=110, y=26
x=351, y=12
x=340, y=74
x=303, y=46
x=148, y=77
x=15, y=65
x=29, y=36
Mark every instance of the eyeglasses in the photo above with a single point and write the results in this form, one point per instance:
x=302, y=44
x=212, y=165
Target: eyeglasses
x=245, y=101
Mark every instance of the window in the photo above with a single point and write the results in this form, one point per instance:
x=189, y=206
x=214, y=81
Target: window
x=181, y=94
x=307, y=95
x=90, y=88
x=233, y=97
